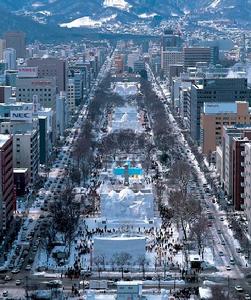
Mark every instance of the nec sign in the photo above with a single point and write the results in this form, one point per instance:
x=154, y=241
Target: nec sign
x=21, y=116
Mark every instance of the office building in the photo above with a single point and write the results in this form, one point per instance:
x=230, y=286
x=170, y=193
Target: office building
x=43, y=88
x=228, y=134
x=16, y=40
x=2, y=48
x=169, y=39
x=247, y=184
x=174, y=71
x=7, y=194
x=238, y=168
x=194, y=55
x=131, y=58
x=71, y=95
x=118, y=63
x=51, y=67
x=170, y=57
x=10, y=58
x=138, y=66
x=5, y=93
x=214, y=116
x=11, y=77
x=61, y=113
x=21, y=181
x=211, y=91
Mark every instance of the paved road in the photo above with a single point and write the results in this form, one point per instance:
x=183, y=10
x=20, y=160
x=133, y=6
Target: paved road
x=219, y=230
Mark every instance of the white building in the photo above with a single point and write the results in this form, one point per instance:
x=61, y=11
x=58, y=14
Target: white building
x=10, y=58
x=71, y=95
x=247, y=184
x=2, y=47
x=43, y=88
x=132, y=58
x=62, y=115
x=170, y=58
x=25, y=131
x=26, y=152
x=129, y=290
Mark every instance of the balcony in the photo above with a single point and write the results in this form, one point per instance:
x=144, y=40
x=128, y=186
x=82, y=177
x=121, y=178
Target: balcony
x=242, y=195
x=242, y=153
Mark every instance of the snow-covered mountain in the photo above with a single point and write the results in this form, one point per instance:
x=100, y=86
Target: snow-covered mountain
x=73, y=13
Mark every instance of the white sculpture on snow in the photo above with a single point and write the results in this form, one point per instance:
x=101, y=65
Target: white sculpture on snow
x=127, y=205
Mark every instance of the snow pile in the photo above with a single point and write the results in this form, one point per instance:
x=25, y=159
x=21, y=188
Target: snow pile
x=214, y=4
x=126, y=117
x=119, y=4
x=109, y=246
x=147, y=16
x=127, y=205
x=88, y=22
x=125, y=89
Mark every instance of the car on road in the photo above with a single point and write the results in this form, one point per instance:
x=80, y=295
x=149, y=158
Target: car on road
x=247, y=297
x=15, y=271
x=18, y=282
x=7, y=278
x=221, y=253
x=28, y=268
x=238, y=288
x=228, y=268
x=54, y=283
x=5, y=293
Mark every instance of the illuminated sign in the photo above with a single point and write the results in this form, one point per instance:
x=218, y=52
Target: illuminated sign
x=21, y=115
x=28, y=72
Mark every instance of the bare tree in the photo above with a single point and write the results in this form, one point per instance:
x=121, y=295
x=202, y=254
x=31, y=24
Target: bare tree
x=143, y=262
x=65, y=213
x=47, y=242
x=181, y=174
x=199, y=231
x=99, y=261
x=185, y=210
x=122, y=260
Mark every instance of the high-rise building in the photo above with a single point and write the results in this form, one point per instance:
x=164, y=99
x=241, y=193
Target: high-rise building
x=214, y=116
x=228, y=134
x=194, y=55
x=5, y=93
x=10, y=58
x=51, y=67
x=214, y=90
x=61, y=113
x=7, y=195
x=170, y=39
x=238, y=168
x=118, y=63
x=43, y=88
x=170, y=57
x=26, y=152
x=16, y=40
x=71, y=95
x=247, y=185
x=2, y=48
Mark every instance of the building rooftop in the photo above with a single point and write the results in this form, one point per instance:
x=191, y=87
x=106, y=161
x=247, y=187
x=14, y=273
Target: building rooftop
x=3, y=139
x=219, y=108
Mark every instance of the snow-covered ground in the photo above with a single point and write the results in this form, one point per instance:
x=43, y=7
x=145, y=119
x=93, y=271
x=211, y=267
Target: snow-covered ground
x=87, y=21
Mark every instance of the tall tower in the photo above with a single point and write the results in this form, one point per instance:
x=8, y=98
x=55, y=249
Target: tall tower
x=16, y=40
